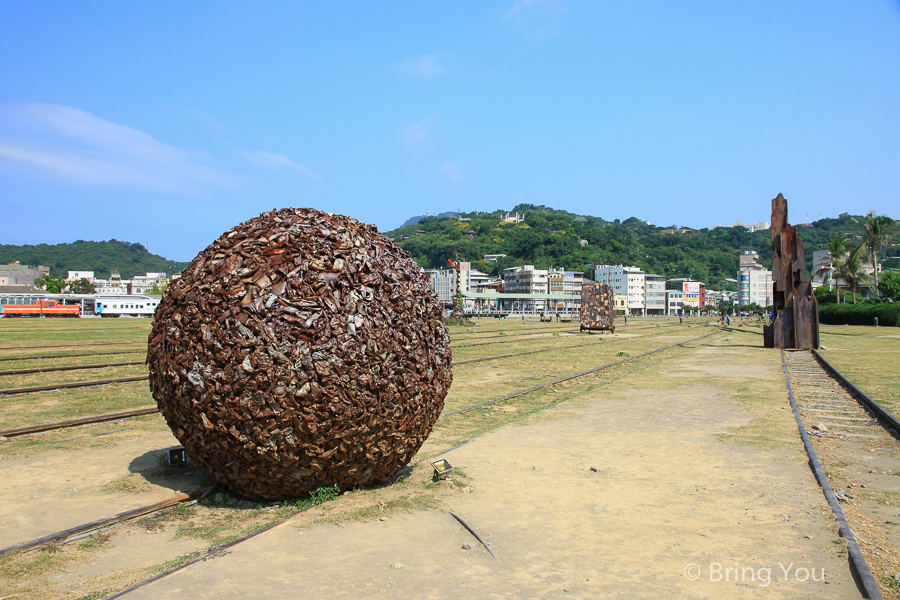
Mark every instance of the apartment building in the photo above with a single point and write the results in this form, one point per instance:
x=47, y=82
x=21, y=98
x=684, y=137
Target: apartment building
x=655, y=294
x=754, y=281
x=625, y=281
x=525, y=279
x=443, y=282
x=674, y=302
x=568, y=283
x=694, y=292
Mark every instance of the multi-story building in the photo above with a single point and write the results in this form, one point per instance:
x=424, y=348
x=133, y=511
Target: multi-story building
x=754, y=281
x=655, y=294
x=79, y=275
x=567, y=283
x=443, y=282
x=674, y=302
x=142, y=284
x=625, y=281
x=525, y=279
x=16, y=274
x=473, y=280
x=621, y=304
x=694, y=292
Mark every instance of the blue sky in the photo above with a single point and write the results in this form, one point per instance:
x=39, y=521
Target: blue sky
x=168, y=123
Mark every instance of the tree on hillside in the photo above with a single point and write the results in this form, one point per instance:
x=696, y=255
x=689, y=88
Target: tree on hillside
x=877, y=230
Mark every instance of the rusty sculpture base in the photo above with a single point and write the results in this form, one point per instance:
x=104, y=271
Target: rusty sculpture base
x=300, y=349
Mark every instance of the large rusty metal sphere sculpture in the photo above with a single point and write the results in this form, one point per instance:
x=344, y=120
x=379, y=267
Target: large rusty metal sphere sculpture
x=298, y=350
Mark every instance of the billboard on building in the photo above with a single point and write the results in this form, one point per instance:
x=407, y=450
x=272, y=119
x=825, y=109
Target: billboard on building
x=691, y=287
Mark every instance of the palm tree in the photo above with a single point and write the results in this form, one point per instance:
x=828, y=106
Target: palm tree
x=838, y=247
x=850, y=269
x=877, y=230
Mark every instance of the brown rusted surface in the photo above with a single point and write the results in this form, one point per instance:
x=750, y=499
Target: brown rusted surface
x=597, y=307
x=796, y=323
x=300, y=349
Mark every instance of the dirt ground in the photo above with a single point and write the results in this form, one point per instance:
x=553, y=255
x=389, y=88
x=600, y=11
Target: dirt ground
x=635, y=490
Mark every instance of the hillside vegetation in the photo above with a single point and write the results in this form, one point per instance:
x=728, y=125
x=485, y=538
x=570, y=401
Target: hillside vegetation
x=99, y=257
x=550, y=238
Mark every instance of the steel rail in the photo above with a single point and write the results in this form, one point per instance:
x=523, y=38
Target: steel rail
x=869, y=584
x=66, y=346
x=469, y=345
x=574, y=376
x=122, y=516
x=5, y=359
x=31, y=429
x=499, y=356
x=76, y=384
x=70, y=368
x=874, y=406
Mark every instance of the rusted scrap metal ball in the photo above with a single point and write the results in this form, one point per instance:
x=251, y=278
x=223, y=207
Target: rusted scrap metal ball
x=300, y=349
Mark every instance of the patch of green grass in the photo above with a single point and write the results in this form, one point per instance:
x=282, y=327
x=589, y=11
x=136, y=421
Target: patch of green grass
x=95, y=542
x=97, y=595
x=406, y=503
x=133, y=483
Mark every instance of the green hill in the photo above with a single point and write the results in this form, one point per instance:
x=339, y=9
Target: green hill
x=99, y=257
x=549, y=237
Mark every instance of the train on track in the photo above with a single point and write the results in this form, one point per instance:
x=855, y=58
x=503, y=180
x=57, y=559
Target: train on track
x=74, y=305
x=43, y=308
x=125, y=306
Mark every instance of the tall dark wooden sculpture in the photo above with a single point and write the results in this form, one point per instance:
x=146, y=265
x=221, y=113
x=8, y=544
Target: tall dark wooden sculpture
x=796, y=323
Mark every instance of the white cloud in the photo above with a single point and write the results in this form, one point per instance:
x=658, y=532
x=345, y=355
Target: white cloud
x=75, y=145
x=538, y=19
x=418, y=135
x=451, y=170
x=261, y=158
x=427, y=65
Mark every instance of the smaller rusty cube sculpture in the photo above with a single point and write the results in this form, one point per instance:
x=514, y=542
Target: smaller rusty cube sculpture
x=597, y=307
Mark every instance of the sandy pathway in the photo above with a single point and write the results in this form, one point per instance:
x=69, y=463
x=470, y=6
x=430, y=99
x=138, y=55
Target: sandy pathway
x=668, y=508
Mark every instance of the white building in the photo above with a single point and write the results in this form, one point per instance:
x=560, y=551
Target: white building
x=655, y=294
x=754, y=281
x=674, y=302
x=443, y=282
x=625, y=281
x=79, y=275
x=525, y=279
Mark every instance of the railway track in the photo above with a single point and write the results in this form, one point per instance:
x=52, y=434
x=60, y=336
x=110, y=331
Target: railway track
x=21, y=431
x=76, y=384
x=49, y=356
x=99, y=382
x=825, y=397
x=69, y=368
x=144, y=511
x=843, y=424
x=82, y=345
